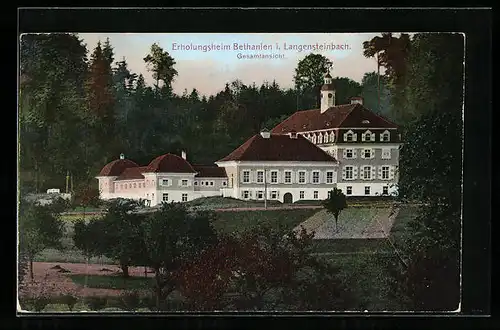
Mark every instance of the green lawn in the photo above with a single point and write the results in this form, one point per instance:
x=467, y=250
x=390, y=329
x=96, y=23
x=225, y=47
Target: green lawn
x=240, y=221
x=217, y=202
x=112, y=282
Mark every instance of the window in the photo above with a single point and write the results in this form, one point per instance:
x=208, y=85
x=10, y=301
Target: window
x=367, y=137
x=260, y=194
x=385, y=136
x=367, y=170
x=165, y=197
x=348, y=137
x=184, y=197
x=206, y=183
x=349, y=153
x=330, y=95
x=201, y=183
x=332, y=137
x=224, y=183
x=385, y=172
x=385, y=190
x=301, y=195
x=130, y=186
x=164, y=182
x=184, y=182
x=246, y=194
x=325, y=138
x=367, y=190
x=320, y=138
x=288, y=177
x=315, y=195
x=314, y=139
x=135, y=186
x=315, y=177
x=329, y=177
x=260, y=176
x=348, y=173
x=386, y=153
x=121, y=186
x=274, y=194
x=302, y=177
x=274, y=177
x=246, y=176
x=196, y=183
x=348, y=190
x=211, y=183
x=152, y=195
x=367, y=153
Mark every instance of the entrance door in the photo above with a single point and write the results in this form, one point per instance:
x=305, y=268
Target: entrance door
x=287, y=198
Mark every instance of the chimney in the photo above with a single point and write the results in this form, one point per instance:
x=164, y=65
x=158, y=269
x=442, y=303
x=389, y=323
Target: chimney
x=122, y=156
x=265, y=133
x=183, y=154
x=292, y=134
x=357, y=99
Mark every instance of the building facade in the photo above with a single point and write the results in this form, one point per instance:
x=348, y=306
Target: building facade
x=167, y=178
x=283, y=167
x=365, y=144
x=303, y=158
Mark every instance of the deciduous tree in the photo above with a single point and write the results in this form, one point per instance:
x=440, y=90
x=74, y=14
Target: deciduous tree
x=335, y=203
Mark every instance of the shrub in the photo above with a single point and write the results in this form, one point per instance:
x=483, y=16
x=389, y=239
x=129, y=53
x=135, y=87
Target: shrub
x=131, y=300
x=56, y=308
x=68, y=300
x=96, y=302
x=80, y=307
x=39, y=303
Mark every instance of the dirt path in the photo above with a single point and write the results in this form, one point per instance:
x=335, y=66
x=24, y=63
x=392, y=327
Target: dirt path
x=48, y=277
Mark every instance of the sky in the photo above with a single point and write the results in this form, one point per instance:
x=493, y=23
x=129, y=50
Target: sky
x=208, y=71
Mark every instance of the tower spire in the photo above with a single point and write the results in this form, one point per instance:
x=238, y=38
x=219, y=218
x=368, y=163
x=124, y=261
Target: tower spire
x=327, y=93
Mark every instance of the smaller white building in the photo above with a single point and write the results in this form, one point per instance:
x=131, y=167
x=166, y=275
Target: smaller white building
x=167, y=178
x=283, y=167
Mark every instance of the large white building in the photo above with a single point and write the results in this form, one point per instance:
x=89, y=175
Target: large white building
x=302, y=158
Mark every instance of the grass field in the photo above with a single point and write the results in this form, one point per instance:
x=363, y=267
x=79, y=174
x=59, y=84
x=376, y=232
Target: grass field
x=283, y=220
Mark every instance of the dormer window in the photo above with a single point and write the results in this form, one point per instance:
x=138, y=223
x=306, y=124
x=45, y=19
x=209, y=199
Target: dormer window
x=325, y=138
x=320, y=138
x=368, y=136
x=385, y=136
x=332, y=137
x=314, y=139
x=365, y=121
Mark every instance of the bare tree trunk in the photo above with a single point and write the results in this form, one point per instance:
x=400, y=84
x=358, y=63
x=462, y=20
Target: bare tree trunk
x=124, y=268
x=158, y=288
x=31, y=270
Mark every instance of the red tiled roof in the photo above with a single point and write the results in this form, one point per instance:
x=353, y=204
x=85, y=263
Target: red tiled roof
x=116, y=167
x=132, y=173
x=210, y=171
x=347, y=116
x=170, y=163
x=278, y=148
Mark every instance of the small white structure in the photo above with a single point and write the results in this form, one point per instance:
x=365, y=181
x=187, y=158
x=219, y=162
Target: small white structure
x=53, y=191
